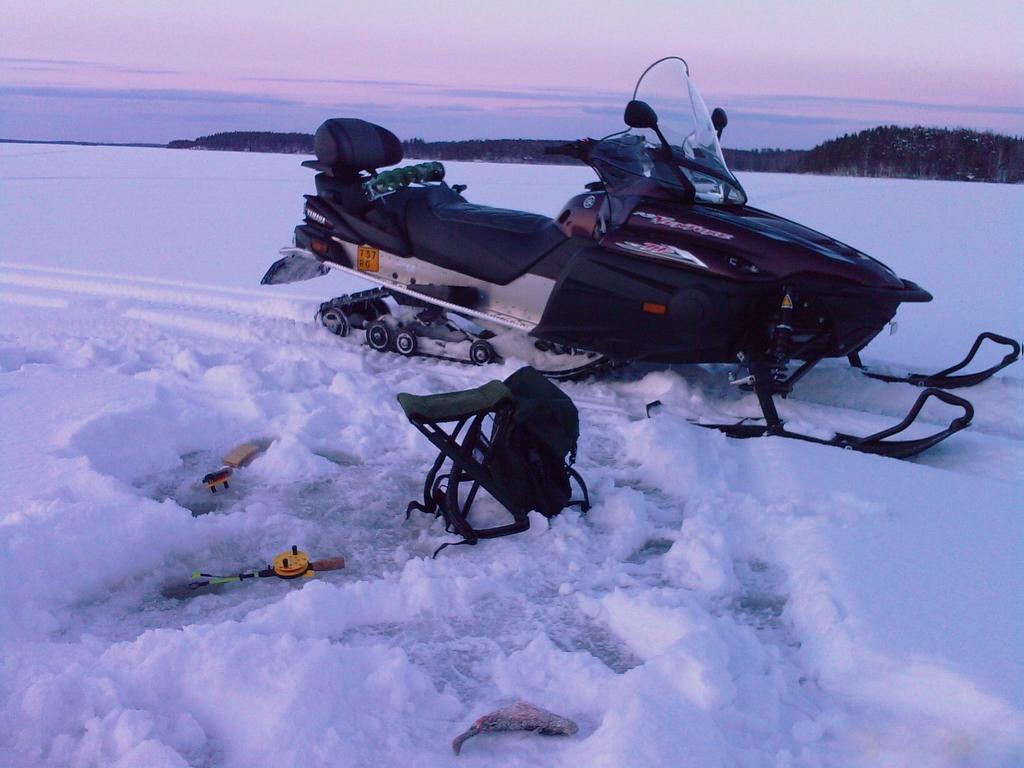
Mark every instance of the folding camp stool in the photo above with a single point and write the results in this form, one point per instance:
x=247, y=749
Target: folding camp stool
x=467, y=427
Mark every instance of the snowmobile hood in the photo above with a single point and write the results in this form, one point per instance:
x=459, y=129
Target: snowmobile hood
x=773, y=246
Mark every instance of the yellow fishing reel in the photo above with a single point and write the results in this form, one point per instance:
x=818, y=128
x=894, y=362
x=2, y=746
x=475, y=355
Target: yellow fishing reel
x=292, y=564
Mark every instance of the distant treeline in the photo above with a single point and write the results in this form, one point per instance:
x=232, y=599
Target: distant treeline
x=765, y=160
x=889, y=151
x=72, y=143
x=251, y=141
x=921, y=153
x=487, y=150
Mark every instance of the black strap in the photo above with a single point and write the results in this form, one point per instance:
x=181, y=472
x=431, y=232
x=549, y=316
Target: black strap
x=584, y=503
x=429, y=504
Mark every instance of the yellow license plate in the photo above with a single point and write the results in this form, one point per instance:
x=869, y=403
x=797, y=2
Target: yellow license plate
x=368, y=259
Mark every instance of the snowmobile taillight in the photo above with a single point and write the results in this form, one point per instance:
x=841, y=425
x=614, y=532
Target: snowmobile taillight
x=652, y=308
x=319, y=246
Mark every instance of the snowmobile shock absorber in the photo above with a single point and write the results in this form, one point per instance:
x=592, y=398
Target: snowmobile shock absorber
x=783, y=333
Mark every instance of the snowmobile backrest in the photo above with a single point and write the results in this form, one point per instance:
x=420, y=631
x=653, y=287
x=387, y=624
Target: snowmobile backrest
x=347, y=144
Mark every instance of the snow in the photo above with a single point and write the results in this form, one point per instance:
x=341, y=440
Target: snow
x=724, y=603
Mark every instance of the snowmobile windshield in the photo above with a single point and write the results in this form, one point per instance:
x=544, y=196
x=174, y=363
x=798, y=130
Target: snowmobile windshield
x=692, y=162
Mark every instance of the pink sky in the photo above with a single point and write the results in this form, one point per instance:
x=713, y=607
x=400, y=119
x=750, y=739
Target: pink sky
x=789, y=73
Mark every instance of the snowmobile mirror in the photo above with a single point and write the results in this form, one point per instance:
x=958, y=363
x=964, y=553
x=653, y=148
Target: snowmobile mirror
x=719, y=119
x=639, y=114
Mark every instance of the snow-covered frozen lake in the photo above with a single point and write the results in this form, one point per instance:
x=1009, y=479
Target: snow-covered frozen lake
x=725, y=603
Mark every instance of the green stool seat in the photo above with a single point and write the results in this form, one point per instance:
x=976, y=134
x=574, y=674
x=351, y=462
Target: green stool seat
x=452, y=406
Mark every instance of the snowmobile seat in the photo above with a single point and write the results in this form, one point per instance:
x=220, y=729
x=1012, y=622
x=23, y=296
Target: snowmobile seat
x=515, y=439
x=492, y=244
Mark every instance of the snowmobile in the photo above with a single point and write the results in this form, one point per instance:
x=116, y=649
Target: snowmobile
x=660, y=260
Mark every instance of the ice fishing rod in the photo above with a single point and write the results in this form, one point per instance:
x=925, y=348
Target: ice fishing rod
x=290, y=564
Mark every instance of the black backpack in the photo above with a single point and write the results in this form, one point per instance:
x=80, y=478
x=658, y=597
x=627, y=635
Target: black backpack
x=516, y=439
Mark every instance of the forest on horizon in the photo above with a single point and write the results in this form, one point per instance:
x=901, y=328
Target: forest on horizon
x=886, y=151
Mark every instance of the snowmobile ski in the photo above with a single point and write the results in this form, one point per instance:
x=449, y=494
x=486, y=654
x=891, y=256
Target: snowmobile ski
x=879, y=443
x=945, y=379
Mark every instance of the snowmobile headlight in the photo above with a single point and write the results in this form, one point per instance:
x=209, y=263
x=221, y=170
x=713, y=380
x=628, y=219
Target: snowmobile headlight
x=742, y=265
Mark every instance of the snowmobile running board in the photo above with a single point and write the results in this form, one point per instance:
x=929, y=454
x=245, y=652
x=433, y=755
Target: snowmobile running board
x=943, y=379
x=878, y=443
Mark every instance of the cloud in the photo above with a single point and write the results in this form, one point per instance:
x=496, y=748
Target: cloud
x=789, y=101
x=353, y=108
x=337, y=81
x=66, y=65
x=534, y=94
x=142, y=94
x=541, y=94
x=444, y=112
x=784, y=119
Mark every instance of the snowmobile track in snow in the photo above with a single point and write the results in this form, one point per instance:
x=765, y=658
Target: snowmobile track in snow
x=248, y=316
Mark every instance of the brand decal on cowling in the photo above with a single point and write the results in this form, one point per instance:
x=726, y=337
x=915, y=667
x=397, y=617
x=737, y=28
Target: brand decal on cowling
x=668, y=221
x=665, y=251
x=317, y=217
